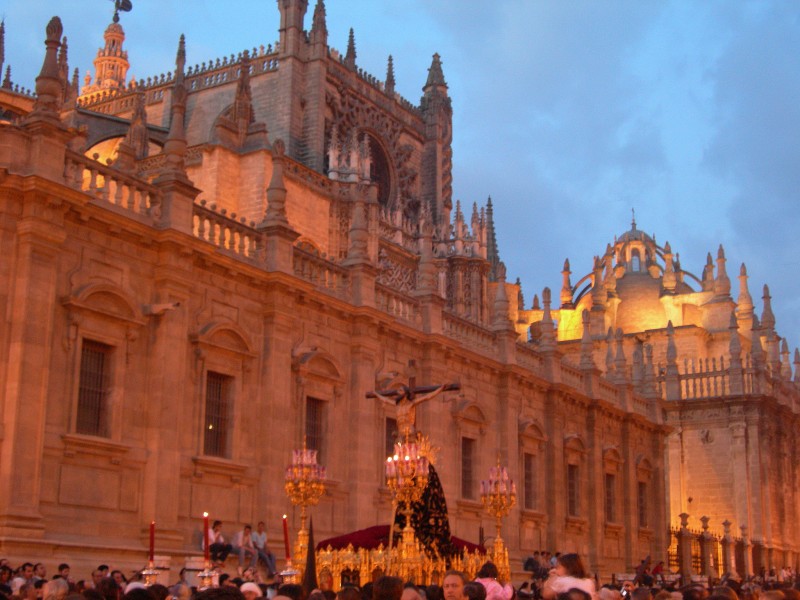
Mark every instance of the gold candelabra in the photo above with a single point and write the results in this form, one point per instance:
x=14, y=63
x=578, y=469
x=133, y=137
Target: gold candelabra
x=498, y=496
x=406, y=478
x=305, y=485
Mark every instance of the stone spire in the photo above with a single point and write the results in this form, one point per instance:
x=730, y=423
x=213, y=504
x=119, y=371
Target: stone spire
x=435, y=74
x=610, y=353
x=796, y=365
x=669, y=281
x=137, y=133
x=708, y=274
x=598, y=289
x=671, y=380
x=389, y=86
x=7, y=79
x=2, y=43
x=426, y=281
x=767, y=316
x=756, y=349
x=350, y=56
x=566, y=286
x=620, y=362
x=175, y=146
x=744, y=308
x=358, y=236
x=276, y=192
x=48, y=83
x=735, y=351
x=548, y=339
x=500, y=320
x=243, y=101
x=587, y=347
x=492, y=252
x=786, y=366
x=319, y=28
x=722, y=284
x=135, y=144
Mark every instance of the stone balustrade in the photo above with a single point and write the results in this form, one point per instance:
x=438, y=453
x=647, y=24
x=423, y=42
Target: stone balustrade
x=225, y=232
x=109, y=185
x=397, y=304
x=322, y=273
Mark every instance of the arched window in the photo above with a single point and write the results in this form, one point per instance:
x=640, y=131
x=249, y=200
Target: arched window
x=636, y=261
x=380, y=171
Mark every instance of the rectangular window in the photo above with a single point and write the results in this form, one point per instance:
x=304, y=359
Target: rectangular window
x=611, y=498
x=467, y=468
x=573, y=491
x=529, y=481
x=93, y=389
x=315, y=426
x=642, y=494
x=217, y=419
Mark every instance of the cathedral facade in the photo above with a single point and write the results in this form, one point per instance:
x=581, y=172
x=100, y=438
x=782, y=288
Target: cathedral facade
x=204, y=270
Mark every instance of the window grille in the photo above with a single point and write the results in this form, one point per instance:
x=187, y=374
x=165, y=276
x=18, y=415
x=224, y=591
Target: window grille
x=529, y=481
x=315, y=426
x=217, y=419
x=93, y=389
x=611, y=498
x=642, y=493
x=573, y=489
x=467, y=468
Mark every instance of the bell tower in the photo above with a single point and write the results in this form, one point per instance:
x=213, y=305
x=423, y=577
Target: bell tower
x=111, y=65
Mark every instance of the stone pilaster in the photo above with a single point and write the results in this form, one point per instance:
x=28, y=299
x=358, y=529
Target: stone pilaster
x=31, y=314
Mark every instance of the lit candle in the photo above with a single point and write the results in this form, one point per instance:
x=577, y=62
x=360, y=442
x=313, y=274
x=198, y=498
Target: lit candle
x=286, y=539
x=205, y=537
x=152, y=539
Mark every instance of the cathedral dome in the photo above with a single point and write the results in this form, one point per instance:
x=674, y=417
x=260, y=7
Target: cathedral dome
x=640, y=307
x=634, y=234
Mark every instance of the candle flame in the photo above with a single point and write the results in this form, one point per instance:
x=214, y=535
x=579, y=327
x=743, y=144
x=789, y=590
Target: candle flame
x=205, y=514
x=284, y=516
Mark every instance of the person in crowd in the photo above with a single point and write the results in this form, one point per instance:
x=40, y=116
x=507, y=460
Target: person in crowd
x=264, y=553
x=487, y=577
x=387, y=588
x=569, y=573
x=293, y=591
x=474, y=591
x=410, y=592
x=39, y=572
x=243, y=545
x=56, y=589
x=217, y=546
x=453, y=585
x=251, y=591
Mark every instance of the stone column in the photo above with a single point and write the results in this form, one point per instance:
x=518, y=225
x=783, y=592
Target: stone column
x=728, y=549
x=685, y=549
x=707, y=545
x=748, y=557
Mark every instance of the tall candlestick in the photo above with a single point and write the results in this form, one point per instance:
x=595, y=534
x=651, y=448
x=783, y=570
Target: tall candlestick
x=286, y=539
x=206, y=548
x=152, y=540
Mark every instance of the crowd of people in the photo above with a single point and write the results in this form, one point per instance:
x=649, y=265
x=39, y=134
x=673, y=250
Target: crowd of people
x=556, y=577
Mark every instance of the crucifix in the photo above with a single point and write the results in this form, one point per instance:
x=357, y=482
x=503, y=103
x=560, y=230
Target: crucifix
x=407, y=397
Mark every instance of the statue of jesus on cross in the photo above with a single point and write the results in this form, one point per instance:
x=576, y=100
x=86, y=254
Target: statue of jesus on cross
x=408, y=397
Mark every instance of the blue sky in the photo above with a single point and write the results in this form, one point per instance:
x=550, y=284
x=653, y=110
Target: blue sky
x=568, y=114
